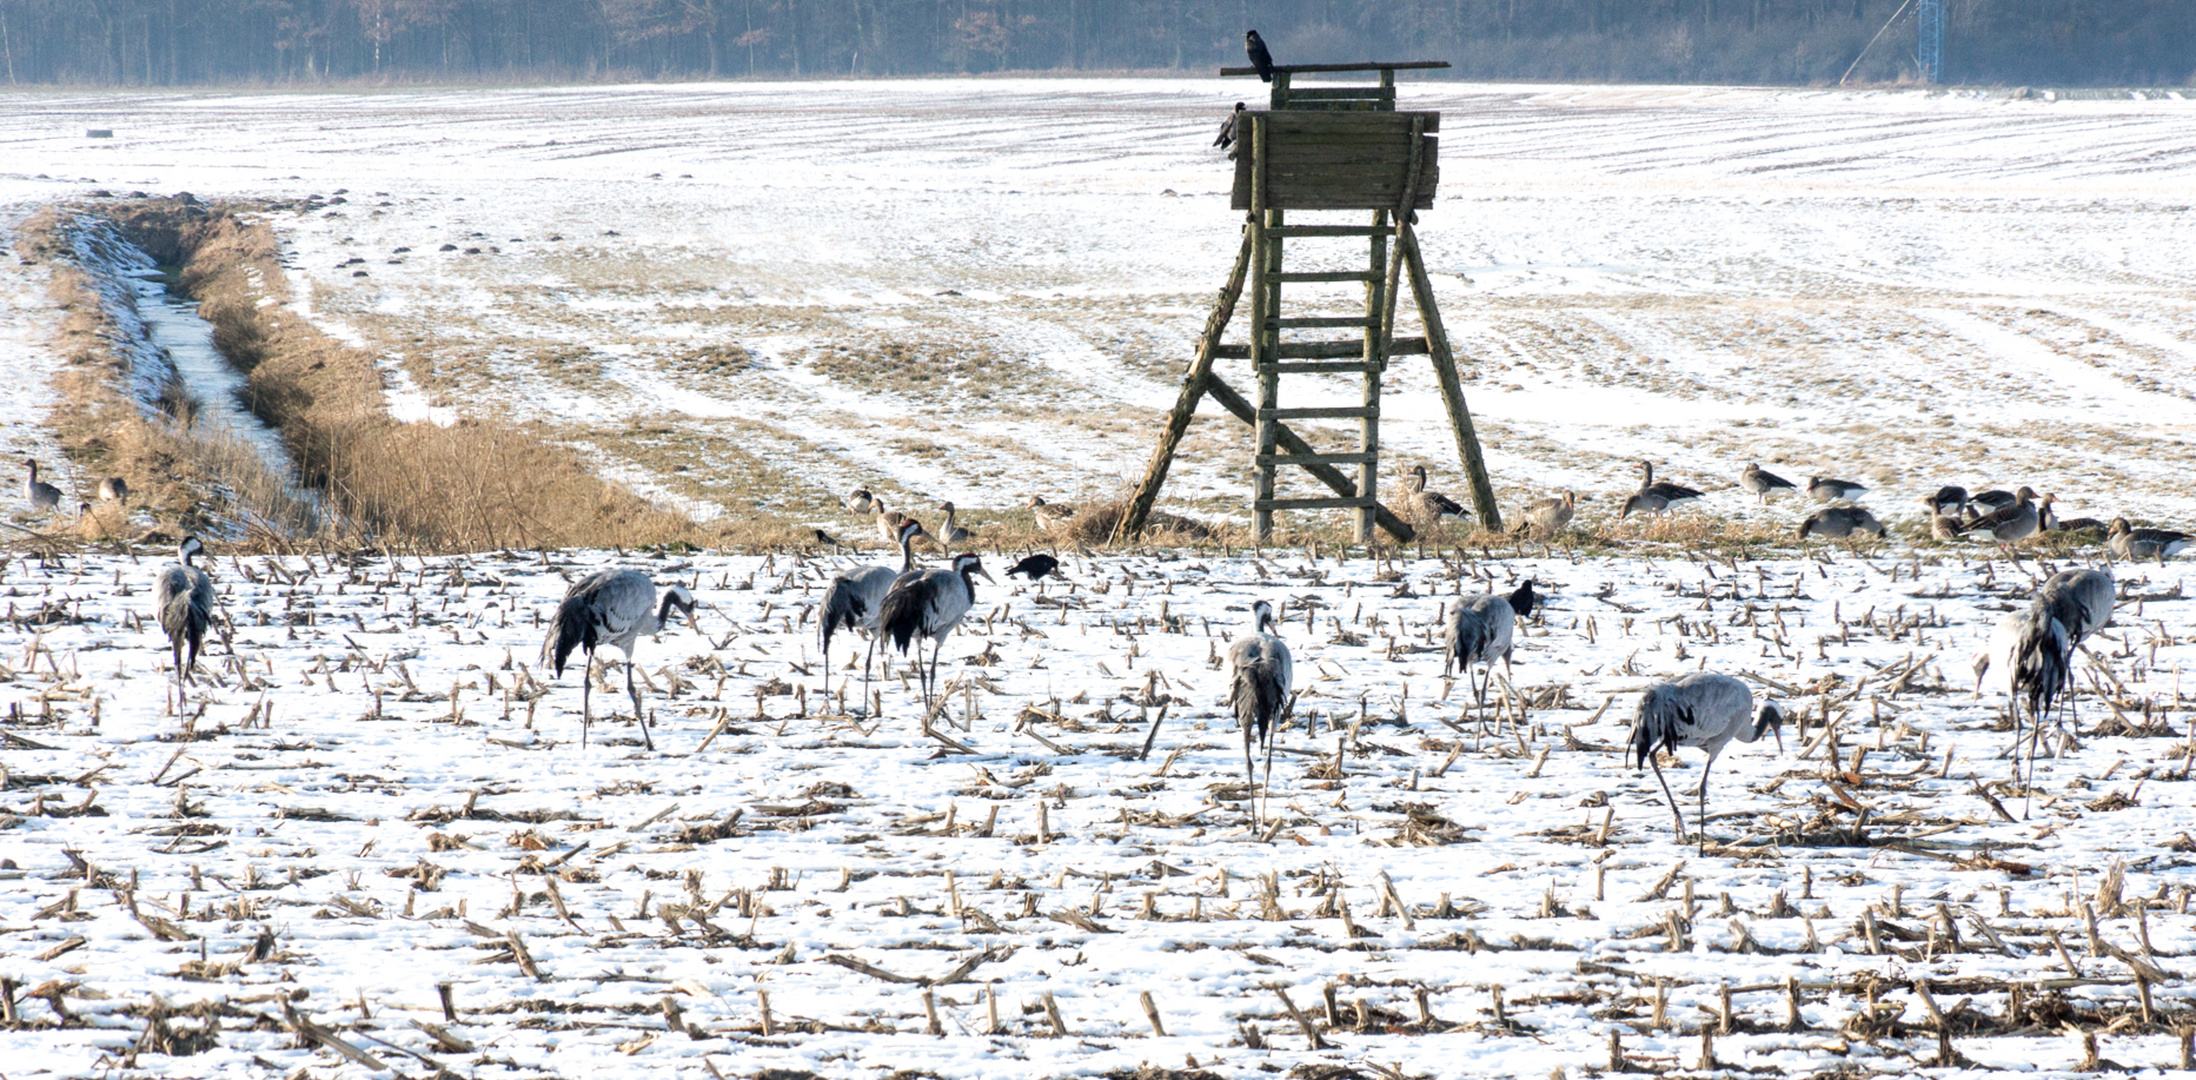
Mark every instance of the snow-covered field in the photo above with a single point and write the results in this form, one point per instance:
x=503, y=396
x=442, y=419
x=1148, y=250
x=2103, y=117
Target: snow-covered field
x=379, y=790
x=978, y=289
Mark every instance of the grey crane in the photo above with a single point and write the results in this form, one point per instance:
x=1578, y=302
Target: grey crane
x=183, y=599
x=1841, y=523
x=1429, y=507
x=2081, y=600
x=2069, y=607
x=2129, y=542
x=930, y=603
x=1703, y=710
x=39, y=494
x=1762, y=482
x=1825, y=489
x=611, y=607
x=1261, y=689
x=953, y=534
x=855, y=601
x=1479, y=632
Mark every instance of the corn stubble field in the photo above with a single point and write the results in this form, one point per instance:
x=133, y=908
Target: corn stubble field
x=369, y=840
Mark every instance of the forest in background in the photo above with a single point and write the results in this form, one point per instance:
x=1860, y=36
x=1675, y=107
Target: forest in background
x=290, y=42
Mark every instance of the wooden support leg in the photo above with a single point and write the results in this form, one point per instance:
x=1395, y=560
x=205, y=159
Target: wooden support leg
x=1185, y=406
x=1265, y=310
x=1452, y=390
x=1226, y=397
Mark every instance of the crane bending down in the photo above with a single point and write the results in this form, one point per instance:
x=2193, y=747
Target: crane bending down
x=1480, y=632
x=930, y=603
x=1260, y=690
x=855, y=601
x=1702, y=710
x=611, y=607
x=183, y=598
x=2069, y=607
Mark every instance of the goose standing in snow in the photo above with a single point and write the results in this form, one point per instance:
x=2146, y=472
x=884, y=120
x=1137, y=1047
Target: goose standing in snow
x=2131, y=543
x=1840, y=523
x=1655, y=497
x=1762, y=482
x=183, y=600
x=1261, y=681
x=855, y=601
x=859, y=501
x=930, y=603
x=1702, y=710
x=1429, y=507
x=39, y=494
x=2009, y=525
x=611, y=607
x=889, y=522
x=1480, y=631
x=1825, y=489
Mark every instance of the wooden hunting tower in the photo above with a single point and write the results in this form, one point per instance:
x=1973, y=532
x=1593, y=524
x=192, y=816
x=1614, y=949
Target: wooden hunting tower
x=1325, y=148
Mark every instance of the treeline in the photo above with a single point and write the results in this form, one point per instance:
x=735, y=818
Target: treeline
x=200, y=42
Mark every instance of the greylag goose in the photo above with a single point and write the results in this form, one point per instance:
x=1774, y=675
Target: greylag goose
x=1049, y=512
x=2129, y=542
x=1840, y=523
x=1762, y=482
x=1825, y=489
x=1943, y=524
x=2011, y=524
x=1429, y=507
x=1545, y=518
x=1949, y=499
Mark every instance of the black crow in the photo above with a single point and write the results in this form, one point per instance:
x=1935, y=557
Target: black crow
x=1035, y=567
x=1260, y=58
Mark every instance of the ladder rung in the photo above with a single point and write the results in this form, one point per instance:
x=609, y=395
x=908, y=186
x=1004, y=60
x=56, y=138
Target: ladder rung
x=1314, y=367
x=1353, y=502
x=1318, y=459
x=1327, y=230
x=1324, y=275
x=1322, y=350
x=1344, y=412
x=1325, y=322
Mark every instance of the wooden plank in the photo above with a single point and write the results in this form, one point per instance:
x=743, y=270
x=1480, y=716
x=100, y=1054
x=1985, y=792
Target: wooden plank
x=1185, y=405
x=1324, y=322
x=1293, y=123
x=1354, y=367
x=1318, y=459
x=1352, y=502
x=1322, y=350
x=1325, y=96
x=1324, y=275
x=1369, y=65
x=1279, y=231
x=1452, y=390
x=1319, y=412
x=1288, y=440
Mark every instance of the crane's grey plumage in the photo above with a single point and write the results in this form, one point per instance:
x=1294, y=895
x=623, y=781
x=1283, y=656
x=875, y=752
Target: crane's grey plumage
x=2128, y=542
x=1261, y=681
x=2041, y=670
x=2081, y=600
x=610, y=607
x=1703, y=710
x=1825, y=489
x=930, y=603
x=855, y=601
x=2005, y=640
x=40, y=495
x=183, y=599
x=1479, y=632
x=1762, y=482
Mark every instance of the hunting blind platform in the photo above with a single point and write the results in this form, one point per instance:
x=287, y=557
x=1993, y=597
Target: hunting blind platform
x=1325, y=148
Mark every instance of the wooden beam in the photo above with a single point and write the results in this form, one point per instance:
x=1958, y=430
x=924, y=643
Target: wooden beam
x=1185, y=405
x=1288, y=440
x=1452, y=390
x=1369, y=65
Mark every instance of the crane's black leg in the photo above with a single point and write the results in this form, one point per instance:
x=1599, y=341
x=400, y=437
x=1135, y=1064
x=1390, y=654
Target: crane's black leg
x=587, y=690
x=1250, y=772
x=1702, y=818
x=1672, y=799
x=639, y=717
x=868, y=655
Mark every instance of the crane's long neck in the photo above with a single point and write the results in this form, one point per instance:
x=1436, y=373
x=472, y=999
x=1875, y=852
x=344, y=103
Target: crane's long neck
x=907, y=550
x=663, y=610
x=968, y=581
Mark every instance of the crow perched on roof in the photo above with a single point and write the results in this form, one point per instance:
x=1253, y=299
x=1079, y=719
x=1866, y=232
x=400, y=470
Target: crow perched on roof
x=1259, y=57
x=1227, y=129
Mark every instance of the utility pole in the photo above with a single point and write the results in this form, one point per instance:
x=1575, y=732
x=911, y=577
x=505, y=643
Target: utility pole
x=1931, y=53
